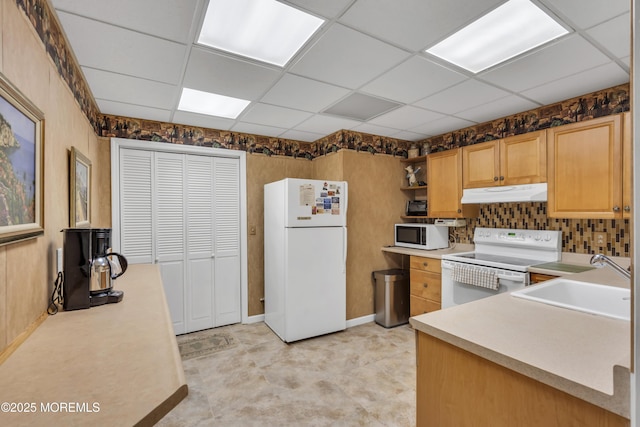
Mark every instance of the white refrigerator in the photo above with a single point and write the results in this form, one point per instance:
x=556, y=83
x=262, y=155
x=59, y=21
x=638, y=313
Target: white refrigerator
x=305, y=257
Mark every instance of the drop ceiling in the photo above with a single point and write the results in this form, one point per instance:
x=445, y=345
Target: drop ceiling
x=138, y=55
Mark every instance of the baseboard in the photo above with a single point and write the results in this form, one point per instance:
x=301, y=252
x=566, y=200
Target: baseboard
x=254, y=319
x=360, y=320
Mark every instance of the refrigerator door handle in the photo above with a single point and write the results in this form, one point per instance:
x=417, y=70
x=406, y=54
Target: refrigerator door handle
x=344, y=264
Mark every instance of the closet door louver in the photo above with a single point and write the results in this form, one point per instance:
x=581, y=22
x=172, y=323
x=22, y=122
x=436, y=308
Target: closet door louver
x=136, y=234
x=226, y=183
x=169, y=215
x=200, y=248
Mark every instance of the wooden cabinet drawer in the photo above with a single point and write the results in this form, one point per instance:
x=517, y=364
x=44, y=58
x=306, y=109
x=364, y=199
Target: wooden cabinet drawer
x=539, y=277
x=421, y=306
x=425, y=285
x=426, y=264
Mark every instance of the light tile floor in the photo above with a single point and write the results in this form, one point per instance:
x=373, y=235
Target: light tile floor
x=364, y=376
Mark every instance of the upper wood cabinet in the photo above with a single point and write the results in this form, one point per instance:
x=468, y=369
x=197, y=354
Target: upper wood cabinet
x=519, y=159
x=444, y=180
x=585, y=169
x=627, y=168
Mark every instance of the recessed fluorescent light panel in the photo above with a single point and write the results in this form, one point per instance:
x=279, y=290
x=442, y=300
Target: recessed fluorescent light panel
x=509, y=30
x=211, y=104
x=265, y=30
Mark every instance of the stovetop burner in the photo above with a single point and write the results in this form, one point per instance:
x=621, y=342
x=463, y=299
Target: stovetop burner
x=499, y=259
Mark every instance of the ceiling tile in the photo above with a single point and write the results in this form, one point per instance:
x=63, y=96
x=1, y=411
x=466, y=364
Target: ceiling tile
x=512, y=104
x=257, y=129
x=326, y=8
x=375, y=129
x=131, y=90
x=303, y=94
x=405, y=118
x=212, y=72
x=345, y=57
x=614, y=35
x=414, y=24
x=299, y=135
x=325, y=125
x=601, y=77
x=410, y=136
x=412, y=80
x=201, y=120
x=568, y=56
x=443, y=125
x=463, y=96
x=122, y=51
x=133, y=111
x=360, y=106
x=587, y=13
x=168, y=19
x=271, y=115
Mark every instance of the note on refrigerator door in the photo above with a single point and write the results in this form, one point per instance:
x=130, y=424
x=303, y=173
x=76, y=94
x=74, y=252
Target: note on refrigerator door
x=307, y=195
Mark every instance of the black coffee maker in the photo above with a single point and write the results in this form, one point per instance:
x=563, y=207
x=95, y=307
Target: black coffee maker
x=89, y=268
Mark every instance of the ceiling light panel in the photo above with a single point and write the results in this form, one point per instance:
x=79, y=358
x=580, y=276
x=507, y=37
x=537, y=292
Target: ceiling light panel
x=508, y=31
x=211, y=104
x=265, y=30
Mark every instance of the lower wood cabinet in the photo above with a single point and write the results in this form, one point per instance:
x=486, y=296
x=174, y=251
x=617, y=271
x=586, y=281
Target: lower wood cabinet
x=458, y=388
x=539, y=277
x=425, y=285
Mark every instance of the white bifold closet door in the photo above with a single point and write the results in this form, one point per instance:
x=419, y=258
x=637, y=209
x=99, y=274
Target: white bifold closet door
x=182, y=211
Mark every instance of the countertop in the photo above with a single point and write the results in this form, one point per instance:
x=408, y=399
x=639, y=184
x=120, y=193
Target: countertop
x=113, y=365
x=571, y=262
x=436, y=253
x=583, y=355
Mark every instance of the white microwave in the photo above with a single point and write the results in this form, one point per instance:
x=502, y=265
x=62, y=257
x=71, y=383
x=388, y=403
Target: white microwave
x=421, y=236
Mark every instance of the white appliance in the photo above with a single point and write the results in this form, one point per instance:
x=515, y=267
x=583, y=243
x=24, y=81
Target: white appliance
x=507, y=193
x=421, y=236
x=305, y=257
x=501, y=255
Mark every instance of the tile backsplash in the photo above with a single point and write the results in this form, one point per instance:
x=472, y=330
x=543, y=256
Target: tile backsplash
x=577, y=234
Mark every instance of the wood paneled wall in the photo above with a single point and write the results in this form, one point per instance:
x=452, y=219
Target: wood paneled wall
x=27, y=269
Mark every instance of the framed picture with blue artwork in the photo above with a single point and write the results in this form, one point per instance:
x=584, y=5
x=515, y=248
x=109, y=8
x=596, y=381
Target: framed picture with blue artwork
x=21, y=166
x=79, y=190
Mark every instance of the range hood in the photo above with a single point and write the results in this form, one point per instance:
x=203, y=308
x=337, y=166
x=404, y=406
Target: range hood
x=507, y=193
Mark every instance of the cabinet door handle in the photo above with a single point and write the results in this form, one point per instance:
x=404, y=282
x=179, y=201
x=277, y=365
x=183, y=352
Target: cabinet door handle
x=495, y=178
x=426, y=285
x=616, y=208
x=425, y=264
x=627, y=208
x=459, y=210
x=502, y=178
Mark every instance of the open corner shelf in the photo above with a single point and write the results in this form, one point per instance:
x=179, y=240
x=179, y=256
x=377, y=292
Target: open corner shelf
x=414, y=159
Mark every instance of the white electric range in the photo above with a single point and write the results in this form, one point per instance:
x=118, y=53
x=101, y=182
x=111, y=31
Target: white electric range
x=499, y=263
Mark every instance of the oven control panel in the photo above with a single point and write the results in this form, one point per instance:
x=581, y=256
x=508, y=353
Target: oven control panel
x=514, y=237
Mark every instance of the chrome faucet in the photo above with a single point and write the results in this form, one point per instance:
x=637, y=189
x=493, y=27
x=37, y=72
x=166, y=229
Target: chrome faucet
x=600, y=260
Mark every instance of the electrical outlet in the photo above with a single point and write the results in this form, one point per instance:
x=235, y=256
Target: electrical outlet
x=58, y=260
x=600, y=238
x=252, y=230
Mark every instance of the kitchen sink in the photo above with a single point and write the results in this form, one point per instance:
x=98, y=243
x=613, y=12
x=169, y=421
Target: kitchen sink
x=601, y=300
